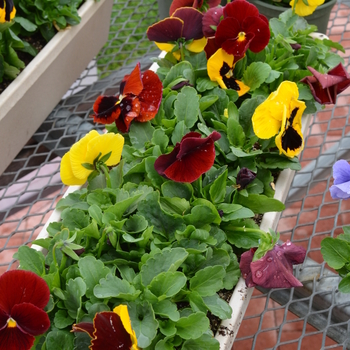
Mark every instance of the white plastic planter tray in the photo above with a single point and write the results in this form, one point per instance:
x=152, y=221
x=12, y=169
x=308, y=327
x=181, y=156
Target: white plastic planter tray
x=30, y=98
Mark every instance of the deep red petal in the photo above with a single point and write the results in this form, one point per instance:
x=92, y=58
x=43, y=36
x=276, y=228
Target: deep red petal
x=192, y=20
x=214, y=3
x=19, y=286
x=106, y=110
x=14, y=339
x=110, y=332
x=195, y=157
x=3, y=319
x=211, y=47
x=86, y=327
x=150, y=97
x=133, y=84
x=274, y=270
x=323, y=96
x=30, y=319
x=294, y=254
x=211, y=18
x=176, y=4
x=129, y=110
x=228, y=28
x=261, y=31
x=339, y=70
x=169, y=29
x=326, y=80
x=240, y=9
x=165, y=160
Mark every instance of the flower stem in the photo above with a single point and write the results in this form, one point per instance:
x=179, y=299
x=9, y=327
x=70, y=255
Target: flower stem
x=106, y=173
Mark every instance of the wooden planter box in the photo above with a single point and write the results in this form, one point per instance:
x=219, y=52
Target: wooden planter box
x=30, y=98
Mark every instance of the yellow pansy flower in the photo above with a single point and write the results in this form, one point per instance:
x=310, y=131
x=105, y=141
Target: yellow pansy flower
x=7, y=11
x=85, y=151
x=301, y=9
x=220, y=69
x=123, y=313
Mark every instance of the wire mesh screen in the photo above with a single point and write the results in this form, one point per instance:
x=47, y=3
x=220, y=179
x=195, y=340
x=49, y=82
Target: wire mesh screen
x=315, y=316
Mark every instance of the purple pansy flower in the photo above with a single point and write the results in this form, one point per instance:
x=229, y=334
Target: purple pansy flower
x=341, y=175
x=275, y=268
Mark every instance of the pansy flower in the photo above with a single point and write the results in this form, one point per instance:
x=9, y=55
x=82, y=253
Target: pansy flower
x=110, y=330
x=197, y=4
x=190, y=158
x=220, y=68
x=305, y=8
x=139, y=99
x=211, y=20
x=326, y=87
x=88, y=150
x=281, y=114
x=341, y=185
x=184, y=27
x=242, y=28
x=7, y=11
x=275, y=268
x=245, y=177
x=23, y=295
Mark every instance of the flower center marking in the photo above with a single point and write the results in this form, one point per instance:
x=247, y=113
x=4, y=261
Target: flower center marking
x=11, y=323
x=241, y=36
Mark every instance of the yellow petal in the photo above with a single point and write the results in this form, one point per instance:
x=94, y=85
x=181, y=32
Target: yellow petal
x=197, y=45
x=66, y=172
x=242, y=88
x=104, y=144
x=165, y=46
x=216, y=62
x=78, y=155
x=302, y=9
x=264, y=120
x=290, y=140
x=3, y=13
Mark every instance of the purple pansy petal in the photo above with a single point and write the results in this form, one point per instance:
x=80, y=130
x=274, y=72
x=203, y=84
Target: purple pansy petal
x=339, y=70
x=341, y=191
x=245, y=177
x=211, y=18
x=169, y=29
x=341, y=171
x=326, y=80
x=275, y=269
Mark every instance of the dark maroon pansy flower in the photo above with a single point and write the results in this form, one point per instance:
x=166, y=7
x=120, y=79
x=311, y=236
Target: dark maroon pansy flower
x=107, y=332
x=185, y=22
x=326, y=87
x=23, y=295
x=139, y=99
x=197, y=4
x=245, y=177
x=275, y=268
x=212, y=19
x=190, y=158
x=242, y=28
x=295, y=46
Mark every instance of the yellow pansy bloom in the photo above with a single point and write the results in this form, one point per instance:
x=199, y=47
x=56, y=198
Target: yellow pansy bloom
x=7, y=11
x=123, y=313
x=220, y=69
x=87, y=150
x=301, y=9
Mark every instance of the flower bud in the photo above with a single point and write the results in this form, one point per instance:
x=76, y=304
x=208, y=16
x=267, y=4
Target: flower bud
x=245, y=177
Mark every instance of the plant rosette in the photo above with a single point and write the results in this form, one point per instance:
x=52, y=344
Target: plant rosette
x=169, y=218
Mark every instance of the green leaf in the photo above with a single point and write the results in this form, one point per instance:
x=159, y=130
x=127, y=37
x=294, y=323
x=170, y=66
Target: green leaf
x=176, y=72
x=166, y=308
x=157, y=180
x=179, y=132
x=208, y=281
x=160, y=138
x=143, y=322
x=235, y=133
x=259, y=203
x=174, y=205
x=30, y=260
x=140, y=134
x=218, y=306
x=233, y=274
x=167, y=284
x=119, y=208
x=59, y=340
x=62, y=319
x=205, y=341
x=92, y=270
x=113, y=287
x=206, y=101
x=217, y=189
x=166, y=260
x=192, y=326
x=75, y=290
x=27, y=25
x=243, y=237
x=186, y=106
x=255, y=74
x=74, y=219
x=335, y=252
x=344, y=285
x=204, y=84
x=177, y=189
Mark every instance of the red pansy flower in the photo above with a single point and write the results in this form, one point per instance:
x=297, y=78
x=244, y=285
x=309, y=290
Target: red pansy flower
x=139, y=99
x=190, y=158
x=275, y=268
x=184, y=27
x=197, y=4
x=242, y=28
x=110, y=330
x=23, y=295
x=326, y=87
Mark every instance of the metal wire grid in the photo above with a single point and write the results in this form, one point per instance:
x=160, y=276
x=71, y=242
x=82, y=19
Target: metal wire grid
x=31, y=186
